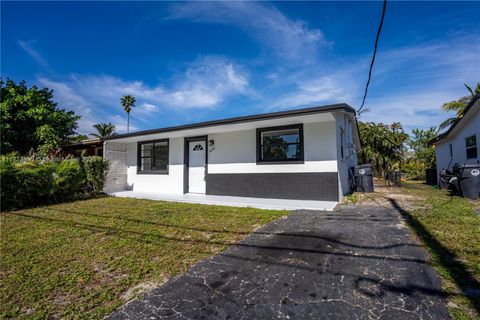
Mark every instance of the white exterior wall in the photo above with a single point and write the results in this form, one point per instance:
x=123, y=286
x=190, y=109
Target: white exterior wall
x=467, y=127
x=171, y=183
x=235, y=152
x=349, y=158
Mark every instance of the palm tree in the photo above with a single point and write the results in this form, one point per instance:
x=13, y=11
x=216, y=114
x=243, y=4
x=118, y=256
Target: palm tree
x=128, y=102
x=458, y=106
x=104, y=130
x=382, y=145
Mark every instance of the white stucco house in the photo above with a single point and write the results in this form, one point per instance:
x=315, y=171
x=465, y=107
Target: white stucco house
x=298, y=155
x=459, y=144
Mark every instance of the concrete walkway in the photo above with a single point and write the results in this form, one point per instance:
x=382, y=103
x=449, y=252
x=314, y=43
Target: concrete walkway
x=355, y=263
x=261, y=203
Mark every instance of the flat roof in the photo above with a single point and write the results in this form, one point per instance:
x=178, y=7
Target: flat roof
x=250, y=118
x=84, y=143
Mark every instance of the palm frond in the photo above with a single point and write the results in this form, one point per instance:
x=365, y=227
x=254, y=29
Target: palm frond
x=104, y=130
x=128, y=101
x=447, y=123
x=456, y=105
x=469, y=89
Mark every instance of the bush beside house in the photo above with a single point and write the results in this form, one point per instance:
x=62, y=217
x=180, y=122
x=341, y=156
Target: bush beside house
x=27, y=182
x=96, y=169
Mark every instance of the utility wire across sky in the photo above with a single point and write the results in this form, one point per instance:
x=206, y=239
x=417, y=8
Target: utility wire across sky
x=373, y=58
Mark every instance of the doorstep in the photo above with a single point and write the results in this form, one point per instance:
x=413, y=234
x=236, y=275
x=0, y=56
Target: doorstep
x=260, y=203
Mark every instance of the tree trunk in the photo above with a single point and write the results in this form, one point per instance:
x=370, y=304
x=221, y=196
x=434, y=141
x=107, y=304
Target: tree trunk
x=128, y=122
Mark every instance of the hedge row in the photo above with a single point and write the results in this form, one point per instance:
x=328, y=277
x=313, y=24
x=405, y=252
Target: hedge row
x=26, y=183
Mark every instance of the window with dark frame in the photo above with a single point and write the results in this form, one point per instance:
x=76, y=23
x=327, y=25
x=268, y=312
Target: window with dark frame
x=280, y=144
x=471, y=147
x=153, y=157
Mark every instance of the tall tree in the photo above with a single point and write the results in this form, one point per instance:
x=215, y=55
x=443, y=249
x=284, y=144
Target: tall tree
x=104, y=130
x=383, y=146
x=458, y=106
x=128, y=102
x=422, y=155
x=419, y=143
x=30, y=119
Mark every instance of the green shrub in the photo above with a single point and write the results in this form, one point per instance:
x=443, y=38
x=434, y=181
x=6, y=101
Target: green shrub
x=28, y=182
x=35, y=184
x=8, y=185
x=69, y=180
x=7, y=162
x=96, y=171
x=25, y=183
x=414, y=170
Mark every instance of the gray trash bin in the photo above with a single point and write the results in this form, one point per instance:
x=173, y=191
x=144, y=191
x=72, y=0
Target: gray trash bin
x=469, y=180
x=363, y=178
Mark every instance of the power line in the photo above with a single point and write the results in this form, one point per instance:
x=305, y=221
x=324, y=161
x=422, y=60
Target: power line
x=374, y=54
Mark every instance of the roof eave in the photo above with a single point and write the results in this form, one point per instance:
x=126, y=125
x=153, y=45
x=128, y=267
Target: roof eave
x=445, y=134
x=280, y=114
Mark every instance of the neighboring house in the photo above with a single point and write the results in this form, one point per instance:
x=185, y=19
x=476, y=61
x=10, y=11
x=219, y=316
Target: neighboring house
x=302, y=154
x=91, y=147
x=459, y=144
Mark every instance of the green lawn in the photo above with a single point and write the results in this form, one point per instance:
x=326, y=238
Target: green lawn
x=79, y=259
x=449, y=228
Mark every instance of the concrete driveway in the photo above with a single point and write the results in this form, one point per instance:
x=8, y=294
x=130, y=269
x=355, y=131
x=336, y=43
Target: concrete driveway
x=355, y=263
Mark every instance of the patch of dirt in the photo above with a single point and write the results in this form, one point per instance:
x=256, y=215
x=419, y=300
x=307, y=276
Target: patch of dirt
x=477, y=210
x=27, y=311
x=60, y=299
x=257, y=226
x=295, y=261
x=215, y=249
x=63, y=299
x=104, y=276
x=207, y=235
x=383, y=196
x=140, y=289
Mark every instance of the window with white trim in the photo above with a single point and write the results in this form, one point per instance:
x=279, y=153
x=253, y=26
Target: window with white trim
x=471, y=147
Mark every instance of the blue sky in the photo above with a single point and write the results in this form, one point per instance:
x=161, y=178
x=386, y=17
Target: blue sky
x=194, y=61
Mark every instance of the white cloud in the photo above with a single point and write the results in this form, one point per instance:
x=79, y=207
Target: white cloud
x=147, y=108
x=68, y=99
x=28, y=47
x=287, y=38
x=120, y=123
x=415, y=110
x=204, y=84
x=411, y=83
x=438, y=63
x=309, y=92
